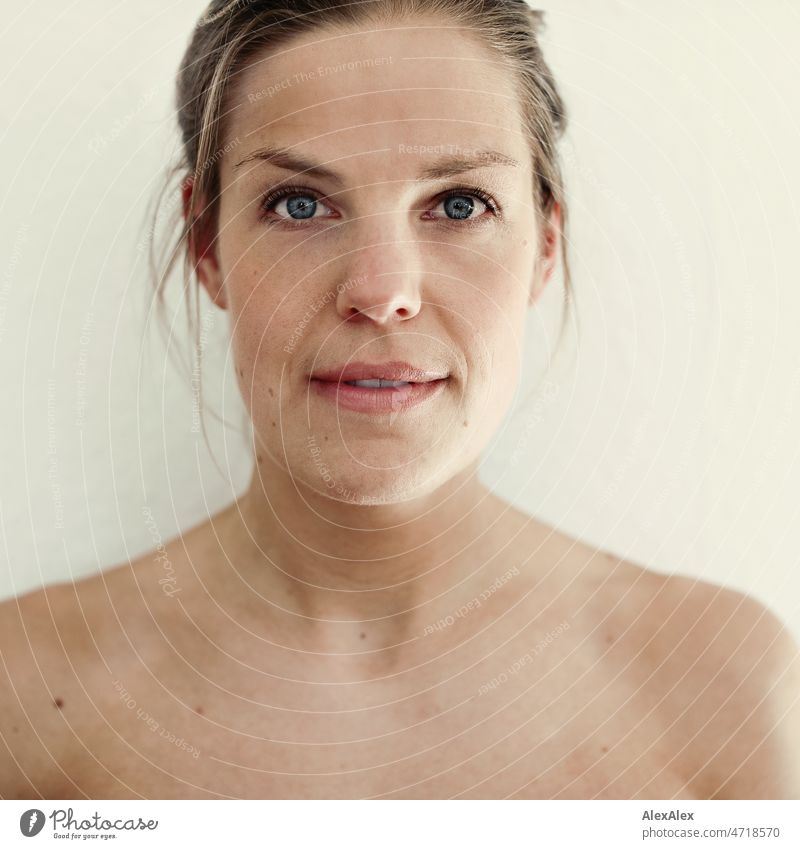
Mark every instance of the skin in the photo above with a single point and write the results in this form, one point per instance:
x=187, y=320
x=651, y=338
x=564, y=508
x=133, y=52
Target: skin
x=306, y=642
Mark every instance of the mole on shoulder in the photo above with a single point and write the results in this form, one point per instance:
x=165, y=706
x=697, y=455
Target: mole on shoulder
x=59, y=703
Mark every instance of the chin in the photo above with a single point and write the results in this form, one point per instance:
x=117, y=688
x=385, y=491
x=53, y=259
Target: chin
x=360, y=481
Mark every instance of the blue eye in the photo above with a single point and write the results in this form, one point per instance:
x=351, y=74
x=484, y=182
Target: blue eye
x=299, y=203
x=467, y=205
x=299, y=206
x=459, y=207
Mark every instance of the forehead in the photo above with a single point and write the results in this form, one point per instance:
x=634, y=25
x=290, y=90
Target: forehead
x=403, y=92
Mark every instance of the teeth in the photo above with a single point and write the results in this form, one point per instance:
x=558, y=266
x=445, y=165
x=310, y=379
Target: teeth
x=377, y=384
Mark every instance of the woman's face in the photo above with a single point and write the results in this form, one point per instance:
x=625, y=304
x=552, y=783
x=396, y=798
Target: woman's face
x=376, y=207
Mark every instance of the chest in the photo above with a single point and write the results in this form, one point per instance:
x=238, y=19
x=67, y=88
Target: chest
x=522, y=733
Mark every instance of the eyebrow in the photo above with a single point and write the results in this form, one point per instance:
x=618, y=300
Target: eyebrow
x=287, y=160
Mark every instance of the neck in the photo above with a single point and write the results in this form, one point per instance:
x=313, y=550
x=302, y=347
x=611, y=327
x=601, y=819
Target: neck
x=342, y=575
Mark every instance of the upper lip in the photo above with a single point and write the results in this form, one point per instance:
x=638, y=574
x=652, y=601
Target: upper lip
x=395, y=371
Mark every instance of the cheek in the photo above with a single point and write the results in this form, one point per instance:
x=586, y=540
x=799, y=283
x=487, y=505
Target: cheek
x=498, y=318
x=259, y=322
x=274, y=337
x=498, y=360
x=499, y=303
x=274, y=319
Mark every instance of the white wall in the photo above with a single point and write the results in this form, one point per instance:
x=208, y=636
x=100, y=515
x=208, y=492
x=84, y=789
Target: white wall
x=665, y=431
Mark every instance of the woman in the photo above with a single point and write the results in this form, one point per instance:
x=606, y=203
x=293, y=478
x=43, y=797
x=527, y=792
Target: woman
x=372, y=193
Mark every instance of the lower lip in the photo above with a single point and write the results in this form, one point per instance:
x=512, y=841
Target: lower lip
x=378, y=401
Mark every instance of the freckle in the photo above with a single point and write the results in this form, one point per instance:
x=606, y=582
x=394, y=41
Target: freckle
x=609, y=639
x=273, y=424
x=466, y=424
x=59, y=703
x=326, y=438
x=604, y=749
x=259, y=458
x=199, y=710
x=14, y=728
x=241, y=372
x=362, y=635
x=271, y=393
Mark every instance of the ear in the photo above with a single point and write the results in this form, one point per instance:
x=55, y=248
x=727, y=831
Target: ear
x=547, y=258
x=202, y=247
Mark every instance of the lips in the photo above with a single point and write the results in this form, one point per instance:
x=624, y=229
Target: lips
x=389, y=400
x=394, y=371
x=416, y=385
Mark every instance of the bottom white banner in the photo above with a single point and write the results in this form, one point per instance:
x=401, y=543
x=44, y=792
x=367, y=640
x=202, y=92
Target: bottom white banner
x=389, y=824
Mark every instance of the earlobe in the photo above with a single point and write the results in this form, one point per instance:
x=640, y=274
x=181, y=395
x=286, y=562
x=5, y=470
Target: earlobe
x=208, y=273
x=545, y=265
x=187, y=186
x=202, y=249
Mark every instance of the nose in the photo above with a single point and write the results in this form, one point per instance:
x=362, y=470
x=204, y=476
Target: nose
x=383, y=280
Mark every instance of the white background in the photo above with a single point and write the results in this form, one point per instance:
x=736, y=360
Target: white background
x=666, y=430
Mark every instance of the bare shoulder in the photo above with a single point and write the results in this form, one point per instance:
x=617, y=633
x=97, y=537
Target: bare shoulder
x=34, y=649
x=737, y=672
x=721, y=669
x=59, y=646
